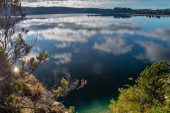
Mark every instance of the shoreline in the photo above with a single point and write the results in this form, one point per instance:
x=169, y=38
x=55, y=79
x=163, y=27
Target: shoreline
x=110, y=12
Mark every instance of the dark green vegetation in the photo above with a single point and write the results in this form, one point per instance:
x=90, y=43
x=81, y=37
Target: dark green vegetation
x=150, y=94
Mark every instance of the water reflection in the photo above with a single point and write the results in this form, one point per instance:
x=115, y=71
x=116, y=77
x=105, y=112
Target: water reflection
x=63, y=58
x=105, y=51
x=116, y=46
x=153, y=52
x=159, y=34
x=75, y=29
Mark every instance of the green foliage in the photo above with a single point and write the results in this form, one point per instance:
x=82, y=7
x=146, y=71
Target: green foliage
x=14, y=52
x=64, y=82
x=150, y=80
x=132, y=100
x=66, y=85
x=4, y=62
x=150, y=94
x=10, y=92
x=58, y=91
x=33, y=63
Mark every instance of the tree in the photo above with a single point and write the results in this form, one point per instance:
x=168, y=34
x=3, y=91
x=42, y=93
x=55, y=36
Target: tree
x=19, y=90
x=13, y=51
x=150, y=94
x=12, y=43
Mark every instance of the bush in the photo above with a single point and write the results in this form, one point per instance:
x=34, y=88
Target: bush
x=150, y=94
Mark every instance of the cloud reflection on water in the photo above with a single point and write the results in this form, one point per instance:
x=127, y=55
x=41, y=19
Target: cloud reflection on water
x=62, y=58
x=159, y=34
x=80, y=29
x=153, y=52
x=116, y=46
x=75, y=29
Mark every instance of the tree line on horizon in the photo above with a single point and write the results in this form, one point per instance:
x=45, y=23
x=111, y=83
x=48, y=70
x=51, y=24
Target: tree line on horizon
x=106, y=12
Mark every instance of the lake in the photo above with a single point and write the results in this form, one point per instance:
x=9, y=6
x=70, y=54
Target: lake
x=105, y=51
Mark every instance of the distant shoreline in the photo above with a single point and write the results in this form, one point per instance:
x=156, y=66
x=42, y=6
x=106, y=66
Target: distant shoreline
x=122, y=12
x=125, y=15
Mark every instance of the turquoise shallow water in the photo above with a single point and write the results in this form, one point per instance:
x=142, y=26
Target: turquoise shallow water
x=95, y=107
x=103, y=50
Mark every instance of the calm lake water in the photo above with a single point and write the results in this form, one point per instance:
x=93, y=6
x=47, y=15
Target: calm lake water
x=103, y=50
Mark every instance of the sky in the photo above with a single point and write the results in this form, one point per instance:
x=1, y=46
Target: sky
x=136, y=4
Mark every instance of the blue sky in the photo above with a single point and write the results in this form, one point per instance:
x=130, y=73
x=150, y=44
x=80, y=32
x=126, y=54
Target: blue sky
x=137, y=4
